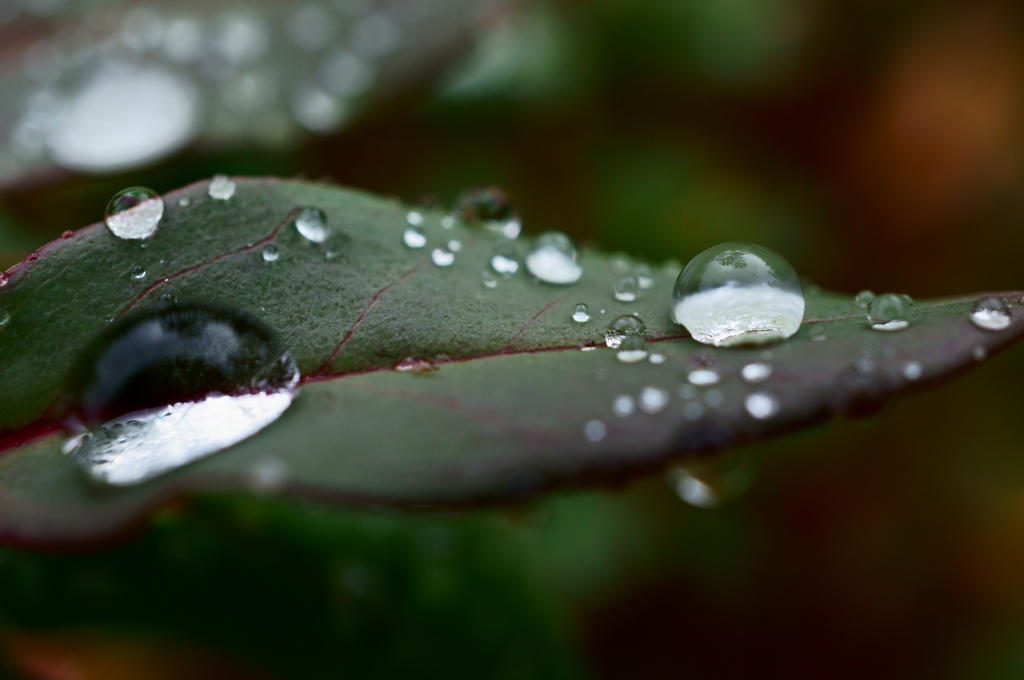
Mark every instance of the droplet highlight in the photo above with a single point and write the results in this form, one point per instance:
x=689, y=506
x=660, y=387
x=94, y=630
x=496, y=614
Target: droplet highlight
x=581, y=313
x=653, y=400
x=442, y=257
x=414, y=238
x=762, y=405
x=505, y=259
x=626, y=289
x=890, y=312
x=312, y=224
x=554, y=259
x=756, y=372
x=270, y=253
x=991, y=314
x=134, y=213
x=221, y=188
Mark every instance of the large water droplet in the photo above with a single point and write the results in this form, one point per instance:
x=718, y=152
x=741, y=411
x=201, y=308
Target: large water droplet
x=626, y=289
x=312, y=224
x=622, y=327
x=890, y=312
x=553, y=259
x=863, y=299
x=581, y=313
x=756, y=372
x=991, y=314
x=442, y=257
x=134, y=213
x=414, y=238
x=221, y=188
x=505, y=259
x=762, y=405
x=270, y=253
x=169, y=385
x=491, y=208
x=738, y=293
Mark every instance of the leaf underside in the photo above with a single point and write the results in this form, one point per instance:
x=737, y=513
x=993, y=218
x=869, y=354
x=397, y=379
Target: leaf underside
x=500, y=415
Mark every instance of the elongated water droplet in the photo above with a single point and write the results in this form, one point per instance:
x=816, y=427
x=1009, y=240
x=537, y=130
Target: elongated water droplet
x=505, y=259
x=490, y=208
x=581, y=313
x=738, y=293
x=756, y=372
x=762, y=405
x=703, y=377
x=442, y=257
x=270, y=253
x=221, y=188
x=595, y=431
x=488, y=279
x=414, y=218
x=169, y=385
x=626, y=289
x=863, y=299
x=623, y=406
x=912, y=370
x=414, y=238
x=632, y=349
x=653, y=400
x=553, y=259
x=890, y=312
x=622, y=327
x=312, y=224
x=138, y=272
x=134, y=213
x=991, y=314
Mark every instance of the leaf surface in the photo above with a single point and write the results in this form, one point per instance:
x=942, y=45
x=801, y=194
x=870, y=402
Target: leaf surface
x=502, y=411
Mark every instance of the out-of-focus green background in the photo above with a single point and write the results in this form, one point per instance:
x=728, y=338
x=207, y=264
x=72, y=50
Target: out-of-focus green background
x=876, y=144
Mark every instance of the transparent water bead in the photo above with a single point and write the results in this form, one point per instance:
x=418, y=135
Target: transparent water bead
x=312, y=224
x=455, y=245
x=490, y=208
x=890, y=312
x=979, y=353
x=134, y=213
x=863, y=299
x=414, y=218
x=172, y=384
x=414, y=238
x=442, y=257
x=711, y=484
x=626, y=289
x=489, y=280
x=991, y=314
x=581, y=313
x=912, y=370
x=505, y=259
x=762, y=405
x=632, y=349
x=703, y=377
x=622, y=327
x=595, y=431
x=221, y=188
x=657, y=359
x=554, y=259
x=738, y=293
x=138, y=272
x=643, y=275
x=270, y=253
x=756, y=372
x=623, y=406
x=653, y=400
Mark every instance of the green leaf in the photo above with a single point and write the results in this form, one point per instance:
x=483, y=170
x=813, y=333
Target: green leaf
x=501, y=414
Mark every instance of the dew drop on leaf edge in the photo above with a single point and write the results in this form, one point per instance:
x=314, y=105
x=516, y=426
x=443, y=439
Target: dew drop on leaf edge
x=991, y=314
x=221, y=188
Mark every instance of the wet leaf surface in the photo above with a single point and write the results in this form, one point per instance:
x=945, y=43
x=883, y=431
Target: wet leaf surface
x=500, y=394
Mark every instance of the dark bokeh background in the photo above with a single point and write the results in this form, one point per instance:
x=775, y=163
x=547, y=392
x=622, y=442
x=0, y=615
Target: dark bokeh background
x=877, y=144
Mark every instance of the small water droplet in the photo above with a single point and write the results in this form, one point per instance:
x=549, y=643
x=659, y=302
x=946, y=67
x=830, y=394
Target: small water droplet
x=631, y=349
x=554, y=259
x=626, y=289
x=738, y=293
x=588, y=348
x=756, y=372
x=448, y=222
x=414, y=238
x=620, y=263
x=134, y=213
x=442, y=257
x=221, y=188
x=703, y=377
x=505, y=259
x=581, y=313
x=455, y=245
x=169, y=385
x=491, y=208
x=687, y=391
x=762, y=405
x=5, y=318
x=489, y=280
x=991, y=314
x=711, y=484
x=912, y=370
x=979, y=353
x=714, y=398
x=656, y=359
x=653, y=400
x=622, y=327
x=312, y=224
x=270, y=253
x=595, y=431
x=890, y=312
x=184, y=202
x=623, y=406
x=693, y=411
x=414, y=218
x=138, y=272
x=413, y=365
x=644, y=279
x=863, y=299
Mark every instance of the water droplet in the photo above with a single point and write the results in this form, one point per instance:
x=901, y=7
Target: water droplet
x=414, y=238
x=505, y=259
x=455, y=245
x=991, y=314
x=134, y=213
x=622, y=327
x=269, y=474
x=414, y=218
x=270, y=253
x=413, y=365
x=712, y=483
x=756, y=372
x=631, y=349
x=626, y=289
x=714, y=398
x=619, y=263
x=890, y=312
x=221, y=188
x=687, y=391
x=169, y=385
x=5, y=318
x=644, y=279
x=703, y=377
x=595, y=431
x=448, y=222
x=623, y=406
x=818, y=335
x=657, y=359
x=553, y=259
x=184, y=202
x=979, y=353
x=912, y=370
x=312, y=224
x=653, y=400
x=738, y=293
x=489, y=280
x=442, y=257
x=693, y=411
x=864, y=298
x=762, y=405
x=491, y=208
x=588, y=348
x=581, y=313
x=138, y=272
